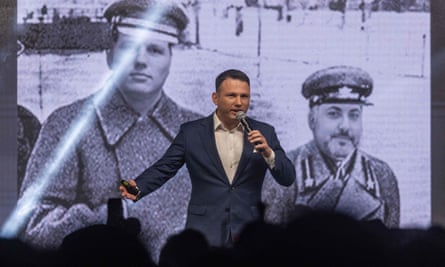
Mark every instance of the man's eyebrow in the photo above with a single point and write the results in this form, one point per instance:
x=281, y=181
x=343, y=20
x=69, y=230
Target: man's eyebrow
x=334, y=107
x=355, y=109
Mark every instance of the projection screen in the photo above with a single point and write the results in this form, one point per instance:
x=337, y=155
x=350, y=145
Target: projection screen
x=278, y=44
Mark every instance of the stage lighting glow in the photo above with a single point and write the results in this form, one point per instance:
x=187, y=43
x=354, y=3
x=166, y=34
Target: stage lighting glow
x=31, y=197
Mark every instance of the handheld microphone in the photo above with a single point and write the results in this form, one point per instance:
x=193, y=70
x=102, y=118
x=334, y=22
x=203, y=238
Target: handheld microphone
x=241, y=117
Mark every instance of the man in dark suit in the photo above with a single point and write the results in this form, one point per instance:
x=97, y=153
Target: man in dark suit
x=227, y=163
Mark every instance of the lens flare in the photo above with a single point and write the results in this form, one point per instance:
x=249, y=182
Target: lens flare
x=33, y=194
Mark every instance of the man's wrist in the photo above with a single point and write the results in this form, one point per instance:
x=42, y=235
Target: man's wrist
x=138, y=194
x=270, y=160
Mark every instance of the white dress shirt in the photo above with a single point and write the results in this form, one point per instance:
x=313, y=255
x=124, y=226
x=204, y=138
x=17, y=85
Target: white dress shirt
x=229, y=143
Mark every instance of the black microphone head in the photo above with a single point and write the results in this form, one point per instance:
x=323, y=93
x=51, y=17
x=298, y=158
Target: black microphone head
x=240, y=115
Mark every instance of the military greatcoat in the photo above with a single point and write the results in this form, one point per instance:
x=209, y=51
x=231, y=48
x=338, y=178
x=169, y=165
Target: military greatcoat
x=116, y=143
x=366, y=189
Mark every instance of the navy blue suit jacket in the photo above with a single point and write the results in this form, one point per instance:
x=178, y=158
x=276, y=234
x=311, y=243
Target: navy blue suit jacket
x=217, y=208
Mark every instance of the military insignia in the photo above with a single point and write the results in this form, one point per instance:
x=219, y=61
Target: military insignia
x=369, y=176
x=315, y=99
x=309, y=182
x=346, y=93
x=370, y=185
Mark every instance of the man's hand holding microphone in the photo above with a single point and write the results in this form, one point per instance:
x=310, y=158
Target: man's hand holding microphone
x=130, y=190
x=254, y=136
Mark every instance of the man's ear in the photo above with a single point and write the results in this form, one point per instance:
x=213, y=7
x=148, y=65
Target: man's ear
x=311, y=119
x=214, y=98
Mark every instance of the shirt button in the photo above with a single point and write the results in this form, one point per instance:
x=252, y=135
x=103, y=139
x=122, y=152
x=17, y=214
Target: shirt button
x=227, y=209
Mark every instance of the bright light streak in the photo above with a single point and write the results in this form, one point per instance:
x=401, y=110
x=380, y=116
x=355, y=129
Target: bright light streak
x=33, y=194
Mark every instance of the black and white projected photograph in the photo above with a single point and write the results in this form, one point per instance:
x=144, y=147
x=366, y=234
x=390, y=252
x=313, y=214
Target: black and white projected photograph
x=79, y=137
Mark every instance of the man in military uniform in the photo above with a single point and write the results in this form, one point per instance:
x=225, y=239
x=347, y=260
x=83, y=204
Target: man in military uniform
x=333, y=174
x=126, y=133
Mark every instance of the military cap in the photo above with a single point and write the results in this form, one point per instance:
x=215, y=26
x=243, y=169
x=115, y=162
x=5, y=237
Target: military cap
x=338, y=84
x=164, y=20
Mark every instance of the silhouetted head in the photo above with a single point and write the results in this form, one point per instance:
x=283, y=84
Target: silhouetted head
x=103, y=245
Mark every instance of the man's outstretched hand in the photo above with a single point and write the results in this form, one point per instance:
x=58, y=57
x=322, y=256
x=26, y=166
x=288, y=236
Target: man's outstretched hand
x=129, y=190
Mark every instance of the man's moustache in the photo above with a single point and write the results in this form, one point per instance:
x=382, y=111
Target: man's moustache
x=347, y=136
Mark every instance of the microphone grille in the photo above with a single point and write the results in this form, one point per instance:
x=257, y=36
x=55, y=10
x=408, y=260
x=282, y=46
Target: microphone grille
x=240, y=115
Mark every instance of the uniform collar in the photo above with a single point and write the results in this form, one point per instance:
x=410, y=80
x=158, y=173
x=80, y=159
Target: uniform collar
x=333, y=165
x=117, y=118
x=352, y=166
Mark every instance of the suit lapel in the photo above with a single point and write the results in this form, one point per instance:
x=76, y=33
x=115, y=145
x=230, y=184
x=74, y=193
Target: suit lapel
x=245, y=157
x=207, y=136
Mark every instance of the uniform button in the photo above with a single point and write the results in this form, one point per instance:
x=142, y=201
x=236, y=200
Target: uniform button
x=227, y=209
x=232, y=188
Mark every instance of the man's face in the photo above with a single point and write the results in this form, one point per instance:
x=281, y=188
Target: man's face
x=233, y=96
x=148, y=68
x=337, y=128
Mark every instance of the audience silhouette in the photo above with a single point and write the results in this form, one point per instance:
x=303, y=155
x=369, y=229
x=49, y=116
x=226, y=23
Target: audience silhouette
x=184, y=249
x=14, y=252
x=103, y=245
x=313, y=238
